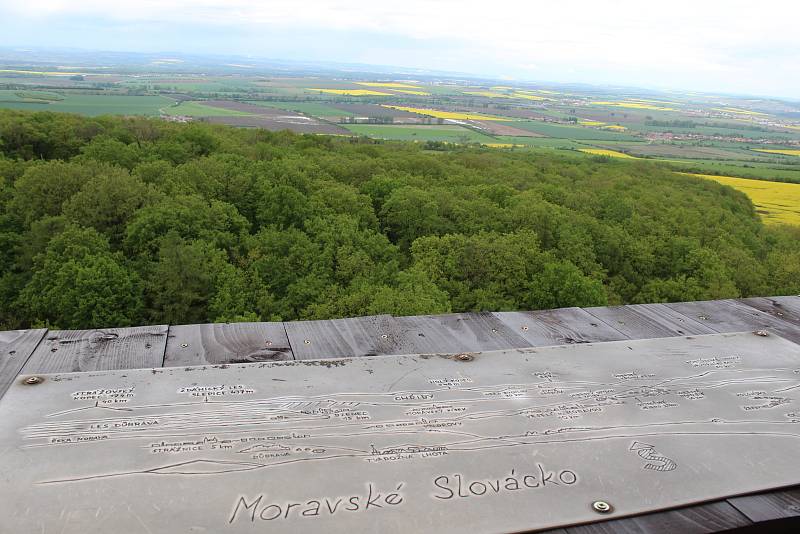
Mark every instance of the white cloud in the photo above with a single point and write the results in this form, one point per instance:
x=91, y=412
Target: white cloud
x=682, y=38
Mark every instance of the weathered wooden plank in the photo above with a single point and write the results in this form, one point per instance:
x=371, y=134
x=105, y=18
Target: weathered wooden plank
x=16, y=346
x=648, y=321
x=559, y=327
x=344, y=338
x=459, y=332
x=712, y=517
x=733, y=316
x=200, y=344
x=785, y=308
x=64, y=351
x=768, y=506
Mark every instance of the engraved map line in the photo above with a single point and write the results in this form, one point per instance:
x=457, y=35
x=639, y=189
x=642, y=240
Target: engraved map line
x=302, y=400
x=249, y=466
x=210, y=418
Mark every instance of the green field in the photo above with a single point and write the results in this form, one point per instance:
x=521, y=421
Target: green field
x=196, y=109
x=222, y=85
x=568, y=132
x=749, y=170
x=33, y=97
x=92, y=105
x=316, y=109
x=450, y=134
x=544, y=142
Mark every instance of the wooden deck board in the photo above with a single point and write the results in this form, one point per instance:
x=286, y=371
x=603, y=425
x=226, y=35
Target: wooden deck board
x=648, y=321
x=200, y=344
x=711, y=517
x=459, y=332
x=348, y=338
x=768, y=506
x=732, y=316
x=16, y=346
x=66, y=351
x=559, y=327
x=784, y=308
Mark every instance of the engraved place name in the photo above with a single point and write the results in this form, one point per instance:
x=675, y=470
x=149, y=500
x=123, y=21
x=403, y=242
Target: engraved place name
x=260, y=509
x=220, y=390
x=452, y=382
x=656, y=404
x=570, y=410
x=457, y=486
x=508, y=393
x=768, y=401
x=422, y=421
x=691, y=394
x=718, y=362
x=106, y=395
x=407, y=452
x=345, y=414
x=436, y=409
x=633, y=375
x=413, y=396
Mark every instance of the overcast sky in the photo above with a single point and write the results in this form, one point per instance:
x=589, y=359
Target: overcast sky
x=730, y=46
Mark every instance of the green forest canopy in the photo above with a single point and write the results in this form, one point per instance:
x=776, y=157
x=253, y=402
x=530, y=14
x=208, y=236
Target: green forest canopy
x=120, y=221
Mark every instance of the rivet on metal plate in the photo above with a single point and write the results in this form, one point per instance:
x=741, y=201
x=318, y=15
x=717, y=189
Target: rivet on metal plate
x=33, y=380
x=464, y=357
x=307, y=341
x=602, y=507
x=184, y=345
x=762, y=333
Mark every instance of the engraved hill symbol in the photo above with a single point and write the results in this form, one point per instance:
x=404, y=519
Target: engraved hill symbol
x=204, y=467
x=276, y=447
x=648, y=452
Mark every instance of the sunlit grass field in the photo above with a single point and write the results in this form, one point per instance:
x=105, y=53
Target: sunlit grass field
x=196, y=109
x=447, y=133
x=94, y=104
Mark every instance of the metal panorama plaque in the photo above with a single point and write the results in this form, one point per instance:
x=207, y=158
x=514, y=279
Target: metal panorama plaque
x=494, y=442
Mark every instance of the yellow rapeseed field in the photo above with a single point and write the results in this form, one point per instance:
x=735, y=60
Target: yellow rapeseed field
x=530, y=97
x=615, y=127
x=517, y=94
x=787, y=152
x=455, y=115
x=646, y=101
x=776, y=202
x=410, y=92
x=503, y=145
x=389, y=85
x=351, y=92
x=633, y=105
x=42, y=73
x=488, y=94
x=739, y=111
x=591, y=123
x=604, y=152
